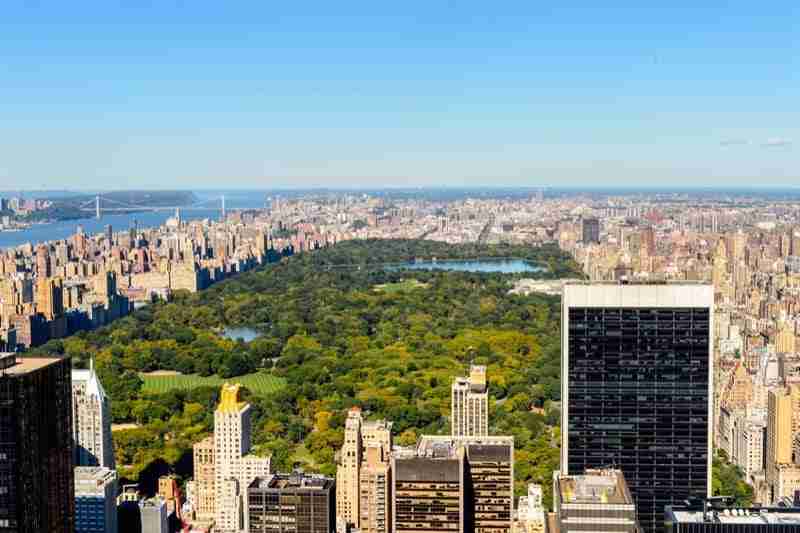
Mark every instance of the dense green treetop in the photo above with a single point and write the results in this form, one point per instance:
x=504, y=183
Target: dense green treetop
x=339, y=339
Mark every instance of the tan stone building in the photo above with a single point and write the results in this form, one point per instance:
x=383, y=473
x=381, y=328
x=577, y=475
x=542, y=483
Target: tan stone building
x=779, y=441
x=347, y=471
x=359, y=436
x=234, y=468
x=470, y=404
x=375, y=490
x=204, y=492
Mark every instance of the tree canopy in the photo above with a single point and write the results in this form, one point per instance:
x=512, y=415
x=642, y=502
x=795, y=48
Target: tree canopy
x=338, y=340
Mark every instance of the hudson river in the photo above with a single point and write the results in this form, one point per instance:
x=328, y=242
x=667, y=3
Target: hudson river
x=122, y=222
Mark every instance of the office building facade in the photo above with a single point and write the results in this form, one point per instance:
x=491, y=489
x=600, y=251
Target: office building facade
x=36, y=452
x=637, y=389
x=455, y=483
x=428, y=495
x=291, y=503
x=95, y=500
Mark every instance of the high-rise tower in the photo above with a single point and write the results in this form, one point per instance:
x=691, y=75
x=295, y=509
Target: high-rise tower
x=91, y=420
x=36, y=456
x=234, y=469
x=470, y=404
x=637, y=389
x=590, y=230
x=347, y=471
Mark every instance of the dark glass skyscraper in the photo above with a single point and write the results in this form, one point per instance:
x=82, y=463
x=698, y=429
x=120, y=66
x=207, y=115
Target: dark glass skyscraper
x=636, y=389
x=591, y=231
x=36, y=457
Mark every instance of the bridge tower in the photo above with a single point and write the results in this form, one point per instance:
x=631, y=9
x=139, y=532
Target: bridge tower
x=97, y=207
x=223, y=208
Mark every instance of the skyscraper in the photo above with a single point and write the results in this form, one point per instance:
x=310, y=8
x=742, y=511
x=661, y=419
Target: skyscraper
x=469, y=405
x=358, y=436
x=375, y=490
x=591, y=231
x=779, y=464
x=36, y=454
x=347, y=470
x=637, y=389
x=234, y=469
x=91, y=420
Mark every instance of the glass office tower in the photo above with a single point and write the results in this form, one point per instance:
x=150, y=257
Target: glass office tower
x=636, y=389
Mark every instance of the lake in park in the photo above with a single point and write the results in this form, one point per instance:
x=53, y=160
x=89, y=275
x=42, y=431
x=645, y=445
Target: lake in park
x=503, y=266
x=246, y=334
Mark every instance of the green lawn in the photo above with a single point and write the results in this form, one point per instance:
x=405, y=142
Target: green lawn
x=257, y=382
x=401, y=286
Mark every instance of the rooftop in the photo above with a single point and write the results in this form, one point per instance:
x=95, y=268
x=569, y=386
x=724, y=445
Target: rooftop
x=446, y=445
x=428, y=469
x=754, y=515
x=596, y=486
x=293, y=481
x=29, y=364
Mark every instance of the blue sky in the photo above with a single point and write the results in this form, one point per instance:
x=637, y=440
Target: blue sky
x=275, y=94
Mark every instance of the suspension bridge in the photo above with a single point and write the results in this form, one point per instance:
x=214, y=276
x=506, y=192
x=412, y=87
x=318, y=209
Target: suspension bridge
x=99, y=205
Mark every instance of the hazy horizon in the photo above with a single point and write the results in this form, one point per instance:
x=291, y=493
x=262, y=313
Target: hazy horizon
x=364, y=95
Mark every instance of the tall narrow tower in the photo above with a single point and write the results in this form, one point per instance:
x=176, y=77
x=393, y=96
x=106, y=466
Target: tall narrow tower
x=469, y=406
x=637, y=389
x=91, y=420
x=348, y=470
x=234, y=469
x=231, y=443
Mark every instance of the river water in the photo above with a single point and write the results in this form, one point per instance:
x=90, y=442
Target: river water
x=121, y=222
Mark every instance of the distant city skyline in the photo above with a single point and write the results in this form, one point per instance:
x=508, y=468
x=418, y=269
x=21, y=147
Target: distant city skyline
x=372, y=95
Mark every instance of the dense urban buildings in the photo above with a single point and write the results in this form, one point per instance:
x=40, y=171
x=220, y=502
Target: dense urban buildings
x=291, y=503
x=36, y=452
x=636, y=385
x=695, y=519
x=746, y=249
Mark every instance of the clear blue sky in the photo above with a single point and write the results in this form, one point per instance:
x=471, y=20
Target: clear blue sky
x=263, y=94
